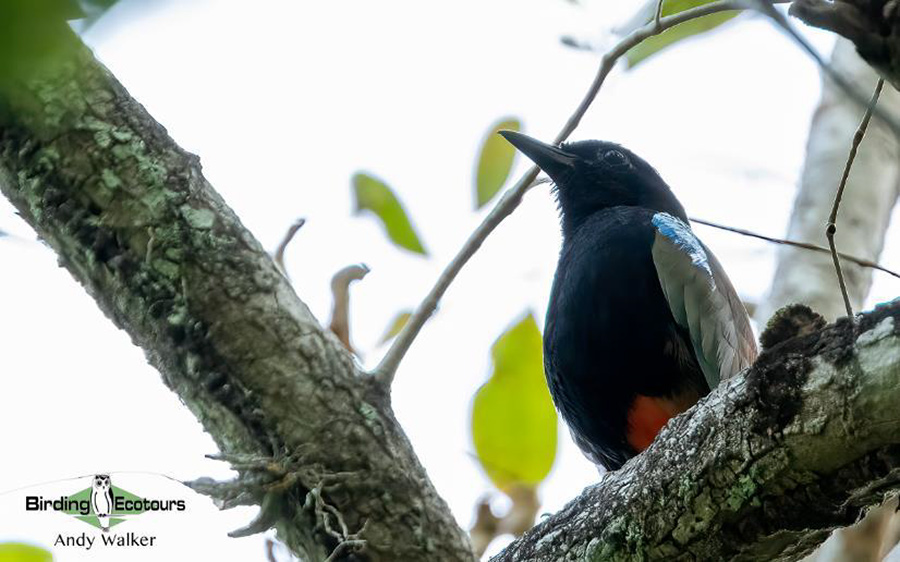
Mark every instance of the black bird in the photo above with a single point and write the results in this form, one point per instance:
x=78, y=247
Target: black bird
x=642, y=320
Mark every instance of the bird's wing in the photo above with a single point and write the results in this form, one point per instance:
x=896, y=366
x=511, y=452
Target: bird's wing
x=702, y=300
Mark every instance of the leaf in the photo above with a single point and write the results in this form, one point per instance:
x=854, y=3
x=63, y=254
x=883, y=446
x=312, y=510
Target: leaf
x=395, y=326
x=33, y=32
x=374, y=195
x=652, y=45
x=494, y=162
x=514, y=423
x=18, y=552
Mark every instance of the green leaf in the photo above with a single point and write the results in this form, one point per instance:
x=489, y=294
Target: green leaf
x=33, y=34
x=652, y=45
x=494, y=162
x=374, y=195
x=514, y=424
x=18, y=552
x=395, y=326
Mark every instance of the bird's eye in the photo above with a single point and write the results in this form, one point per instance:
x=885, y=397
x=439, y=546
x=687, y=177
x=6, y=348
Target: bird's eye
x=614, y=158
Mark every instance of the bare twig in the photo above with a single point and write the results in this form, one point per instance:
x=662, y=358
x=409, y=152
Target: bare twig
x=282, y=246
x=270, y=550
x=340, y=312
x=520, y=517
x=831, y=227
x=513, y=196
x=805, y=245
x=659, y=9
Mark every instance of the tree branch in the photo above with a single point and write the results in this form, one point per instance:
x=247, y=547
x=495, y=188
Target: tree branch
x=135, y=222
x=872, y=25
x=762, y=469
x=278, y=256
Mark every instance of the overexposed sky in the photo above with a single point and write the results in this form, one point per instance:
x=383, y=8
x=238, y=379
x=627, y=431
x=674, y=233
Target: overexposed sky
x=283, y=101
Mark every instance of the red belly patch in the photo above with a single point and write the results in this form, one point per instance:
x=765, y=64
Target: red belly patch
x=646, y=417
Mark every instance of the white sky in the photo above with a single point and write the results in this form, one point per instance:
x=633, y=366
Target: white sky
x=284, y=100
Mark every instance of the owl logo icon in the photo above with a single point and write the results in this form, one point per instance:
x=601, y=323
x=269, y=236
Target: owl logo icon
x=102, y=499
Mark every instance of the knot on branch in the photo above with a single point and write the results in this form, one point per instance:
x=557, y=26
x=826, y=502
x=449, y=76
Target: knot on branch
x=789, y=322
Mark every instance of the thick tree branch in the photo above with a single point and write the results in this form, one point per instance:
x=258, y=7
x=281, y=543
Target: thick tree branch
x=134, y=221
x=872, y=25
x=762, y=469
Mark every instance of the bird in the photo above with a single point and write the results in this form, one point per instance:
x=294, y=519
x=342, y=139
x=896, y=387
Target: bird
x=642, y=320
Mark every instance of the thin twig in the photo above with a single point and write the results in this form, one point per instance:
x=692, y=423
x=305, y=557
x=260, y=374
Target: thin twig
x=282, y=246
x=511, y=198
x=659, y=9
x=270, y=550
x=340, y=310
x=831, y=227
x=804, y=245
x=518, y=518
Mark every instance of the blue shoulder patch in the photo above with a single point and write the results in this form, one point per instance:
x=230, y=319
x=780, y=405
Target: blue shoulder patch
x=680, y=234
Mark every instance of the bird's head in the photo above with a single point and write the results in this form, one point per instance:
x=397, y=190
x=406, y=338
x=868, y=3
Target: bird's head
x=594, y=175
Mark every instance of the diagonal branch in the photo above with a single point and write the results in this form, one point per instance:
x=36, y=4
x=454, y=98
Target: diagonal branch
x=762, y=469
x=133, y=220
x=282, y=246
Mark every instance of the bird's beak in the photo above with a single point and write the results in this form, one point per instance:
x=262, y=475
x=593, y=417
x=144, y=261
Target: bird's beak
x=552, y=159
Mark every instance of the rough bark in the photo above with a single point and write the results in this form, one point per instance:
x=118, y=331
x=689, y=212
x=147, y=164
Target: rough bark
x=872, y=25
x=809, y=277
x=135, y=222
x=762, y=469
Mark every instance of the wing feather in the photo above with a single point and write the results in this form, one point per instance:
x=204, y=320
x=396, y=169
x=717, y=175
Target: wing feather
x=702, y=300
